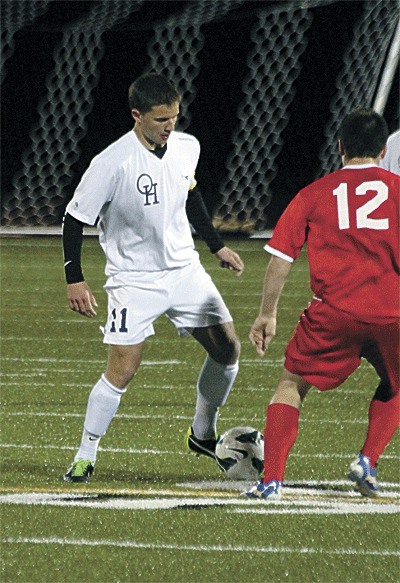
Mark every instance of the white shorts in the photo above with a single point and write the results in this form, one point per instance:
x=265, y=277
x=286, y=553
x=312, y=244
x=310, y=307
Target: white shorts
x=187, y=295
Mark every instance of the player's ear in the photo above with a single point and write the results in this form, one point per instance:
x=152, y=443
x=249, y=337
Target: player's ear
x=135, y=113
x=383, y=153
x=340, y=148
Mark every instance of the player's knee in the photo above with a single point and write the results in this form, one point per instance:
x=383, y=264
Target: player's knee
x=233, y=349
x=291, y=389
x=220, y=342
x=122, y=364
x=229, y=352
x=121, y=374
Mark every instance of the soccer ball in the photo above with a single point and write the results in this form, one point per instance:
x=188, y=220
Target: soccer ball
x=240, y=453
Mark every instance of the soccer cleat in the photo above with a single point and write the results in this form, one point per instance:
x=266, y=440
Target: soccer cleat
x=201, y=446
x=80, y=471
x=271, y=491
x=365, y=476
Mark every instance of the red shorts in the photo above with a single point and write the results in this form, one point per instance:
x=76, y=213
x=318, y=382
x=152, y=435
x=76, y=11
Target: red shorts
x=327, y=347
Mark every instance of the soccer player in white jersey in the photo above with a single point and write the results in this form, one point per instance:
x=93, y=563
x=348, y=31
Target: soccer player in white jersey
x=391, y=160
x=142, y=193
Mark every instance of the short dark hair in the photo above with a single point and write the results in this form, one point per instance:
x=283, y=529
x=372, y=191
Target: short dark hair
x=363, y=133
x=150, y=90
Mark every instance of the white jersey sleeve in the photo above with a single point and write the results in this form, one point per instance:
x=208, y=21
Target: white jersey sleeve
x=391, y=161
x=95, y=189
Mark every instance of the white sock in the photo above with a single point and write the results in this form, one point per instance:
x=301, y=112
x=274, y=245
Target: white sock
x=88, y=448
x=102, y=405
x=213, y=387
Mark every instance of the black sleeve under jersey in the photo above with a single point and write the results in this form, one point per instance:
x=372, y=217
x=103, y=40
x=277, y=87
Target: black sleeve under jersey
x=200, y=220
x=72, y=237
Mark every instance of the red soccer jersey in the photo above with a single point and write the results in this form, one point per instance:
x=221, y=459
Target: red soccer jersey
x=350, y=221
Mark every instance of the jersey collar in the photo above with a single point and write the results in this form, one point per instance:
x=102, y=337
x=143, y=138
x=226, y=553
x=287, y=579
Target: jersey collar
x=358, y=166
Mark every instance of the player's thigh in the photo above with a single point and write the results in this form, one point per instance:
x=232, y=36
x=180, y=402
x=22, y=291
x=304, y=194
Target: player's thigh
x=132, y=312
x=195, y=301
x=324, y=349
x=382, y=350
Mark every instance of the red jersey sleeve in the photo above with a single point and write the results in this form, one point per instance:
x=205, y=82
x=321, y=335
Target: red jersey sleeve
x=290, y=233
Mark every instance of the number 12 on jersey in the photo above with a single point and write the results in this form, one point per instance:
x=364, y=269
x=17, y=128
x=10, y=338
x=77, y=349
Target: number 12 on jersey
x=363, y=220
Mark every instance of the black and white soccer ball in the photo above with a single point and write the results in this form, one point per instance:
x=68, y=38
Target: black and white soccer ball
x=240, y=453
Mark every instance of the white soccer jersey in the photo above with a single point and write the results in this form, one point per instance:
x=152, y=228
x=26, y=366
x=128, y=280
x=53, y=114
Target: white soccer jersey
x=391, y=161
x=140, y=201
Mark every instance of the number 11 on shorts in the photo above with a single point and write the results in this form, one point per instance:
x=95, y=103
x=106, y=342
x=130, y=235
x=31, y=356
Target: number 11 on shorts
x=121, y=318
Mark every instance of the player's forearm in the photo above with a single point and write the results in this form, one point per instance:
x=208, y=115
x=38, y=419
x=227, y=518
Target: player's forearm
x=72, y=246
x=200, y=219
x=275, y=277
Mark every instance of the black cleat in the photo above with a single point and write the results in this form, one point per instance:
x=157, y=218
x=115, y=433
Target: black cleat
x=201, y=446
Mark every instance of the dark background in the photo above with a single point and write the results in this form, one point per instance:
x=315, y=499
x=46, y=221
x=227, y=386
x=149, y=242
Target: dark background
x=213, y=112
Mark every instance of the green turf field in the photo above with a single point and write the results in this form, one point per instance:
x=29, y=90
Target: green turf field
x=153, y=512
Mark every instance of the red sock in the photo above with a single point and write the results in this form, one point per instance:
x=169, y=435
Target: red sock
x=279, y=436
x=384, y=419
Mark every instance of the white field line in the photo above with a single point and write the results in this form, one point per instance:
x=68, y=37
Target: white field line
x=51, y=236
x=49, y=385
x=106, y=449
x=66, y=415
x=167, y=417
x=89, y=361
x=302, y=488
x=170, y=452
x=340, y=509
x=74, y=361
x=294, y=504
x=200, y=548
x=41, y=372
x=36, y=373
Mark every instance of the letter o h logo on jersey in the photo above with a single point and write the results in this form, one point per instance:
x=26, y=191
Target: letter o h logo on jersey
x=148, y=188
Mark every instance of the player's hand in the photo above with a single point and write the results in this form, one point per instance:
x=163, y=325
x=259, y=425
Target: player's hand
x=261, y=333
x=230, y=260
x=81, y=299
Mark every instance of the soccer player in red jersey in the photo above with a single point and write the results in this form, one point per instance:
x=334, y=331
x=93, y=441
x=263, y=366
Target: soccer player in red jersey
x=349, y=220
